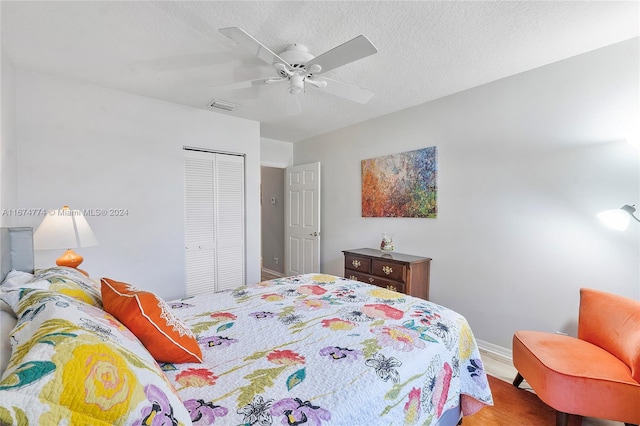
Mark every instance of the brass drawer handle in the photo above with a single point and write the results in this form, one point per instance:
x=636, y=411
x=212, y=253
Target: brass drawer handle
x=392, y=288
x=356, y=263
x=387, y=269
x=351, y=277
x=371, y=279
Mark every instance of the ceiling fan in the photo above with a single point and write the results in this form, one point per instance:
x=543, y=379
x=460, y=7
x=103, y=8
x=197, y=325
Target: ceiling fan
x=300, y=69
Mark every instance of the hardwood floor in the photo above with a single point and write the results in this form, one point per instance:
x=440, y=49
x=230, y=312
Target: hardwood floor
x=264, y=275
x=502, y=369
x=512, y=406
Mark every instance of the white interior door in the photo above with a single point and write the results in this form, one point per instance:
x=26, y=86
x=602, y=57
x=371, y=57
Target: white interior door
x=302, y=219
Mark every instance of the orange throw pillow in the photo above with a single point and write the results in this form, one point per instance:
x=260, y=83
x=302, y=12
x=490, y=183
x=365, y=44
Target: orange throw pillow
x=151, y=320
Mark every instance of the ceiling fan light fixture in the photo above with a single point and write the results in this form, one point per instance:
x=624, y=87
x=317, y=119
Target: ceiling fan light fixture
x=297, y=84
x=222, y=104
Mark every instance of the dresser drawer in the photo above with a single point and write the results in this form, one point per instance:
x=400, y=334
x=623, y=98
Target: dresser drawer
x=391, y=270
x=357, y=263
x=358, y=276
x=393, y=286
x=370, y=279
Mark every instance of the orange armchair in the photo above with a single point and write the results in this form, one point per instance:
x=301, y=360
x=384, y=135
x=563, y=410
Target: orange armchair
x=595, y=375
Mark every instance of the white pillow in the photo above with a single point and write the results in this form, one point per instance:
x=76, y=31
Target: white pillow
x=15, y=279
x=7, y=322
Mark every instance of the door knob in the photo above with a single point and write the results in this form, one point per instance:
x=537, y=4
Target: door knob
x=315, y=234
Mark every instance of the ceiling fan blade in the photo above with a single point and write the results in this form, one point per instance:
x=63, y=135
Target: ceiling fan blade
x=242, y=84
x=346, y=91
x=249, y=83
x=357, y=48
x=249, y=43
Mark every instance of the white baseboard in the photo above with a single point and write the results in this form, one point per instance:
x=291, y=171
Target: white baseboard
x=270, y=272
x=504, y=354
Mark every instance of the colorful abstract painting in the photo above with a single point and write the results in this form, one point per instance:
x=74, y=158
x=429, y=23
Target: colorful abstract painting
x=401, y=185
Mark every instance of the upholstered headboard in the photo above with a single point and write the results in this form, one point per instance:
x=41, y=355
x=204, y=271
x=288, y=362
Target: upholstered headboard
x=16, y=250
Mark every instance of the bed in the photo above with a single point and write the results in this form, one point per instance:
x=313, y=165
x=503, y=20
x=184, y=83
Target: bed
x=313, y=349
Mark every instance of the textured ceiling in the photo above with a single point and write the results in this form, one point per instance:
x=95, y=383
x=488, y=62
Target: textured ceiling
x=173, y=50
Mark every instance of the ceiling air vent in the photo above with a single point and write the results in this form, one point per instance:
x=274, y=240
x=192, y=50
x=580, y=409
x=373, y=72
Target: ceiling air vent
x=225, y=105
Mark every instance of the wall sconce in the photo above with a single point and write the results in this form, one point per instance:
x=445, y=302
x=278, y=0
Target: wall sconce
x=65, y=229
x=618, y=219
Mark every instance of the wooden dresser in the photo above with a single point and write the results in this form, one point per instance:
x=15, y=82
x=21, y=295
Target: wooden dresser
x=394, y=271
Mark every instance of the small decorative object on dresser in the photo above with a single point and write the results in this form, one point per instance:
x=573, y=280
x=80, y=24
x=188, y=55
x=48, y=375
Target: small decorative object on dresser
x=394, y=271
x=387, y=242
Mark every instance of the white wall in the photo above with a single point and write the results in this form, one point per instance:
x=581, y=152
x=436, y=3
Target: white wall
x=275, y=153
x=525, y=164
x=89, y=147
x=8, y=146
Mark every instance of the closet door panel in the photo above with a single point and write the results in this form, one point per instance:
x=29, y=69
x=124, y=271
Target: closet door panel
x=200, y=235
x=230, y=221
x=214, y=221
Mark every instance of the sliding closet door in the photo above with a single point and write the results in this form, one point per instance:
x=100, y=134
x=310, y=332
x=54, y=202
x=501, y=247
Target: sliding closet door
x=214, y=221
x=200, y=235
x=230, y=221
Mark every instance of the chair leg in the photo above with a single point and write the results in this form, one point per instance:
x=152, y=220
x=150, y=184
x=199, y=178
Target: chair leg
x=518, y=380
x=562, y=419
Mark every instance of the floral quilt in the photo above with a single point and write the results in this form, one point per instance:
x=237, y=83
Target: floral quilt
x=75, y=364
x=319, y=350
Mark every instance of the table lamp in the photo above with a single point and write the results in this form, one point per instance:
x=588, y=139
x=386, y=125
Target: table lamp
x=64, y=229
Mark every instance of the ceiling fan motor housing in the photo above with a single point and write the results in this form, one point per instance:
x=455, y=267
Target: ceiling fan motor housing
x=297, y=55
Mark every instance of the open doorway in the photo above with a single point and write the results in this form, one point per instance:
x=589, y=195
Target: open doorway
x=272, y=213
